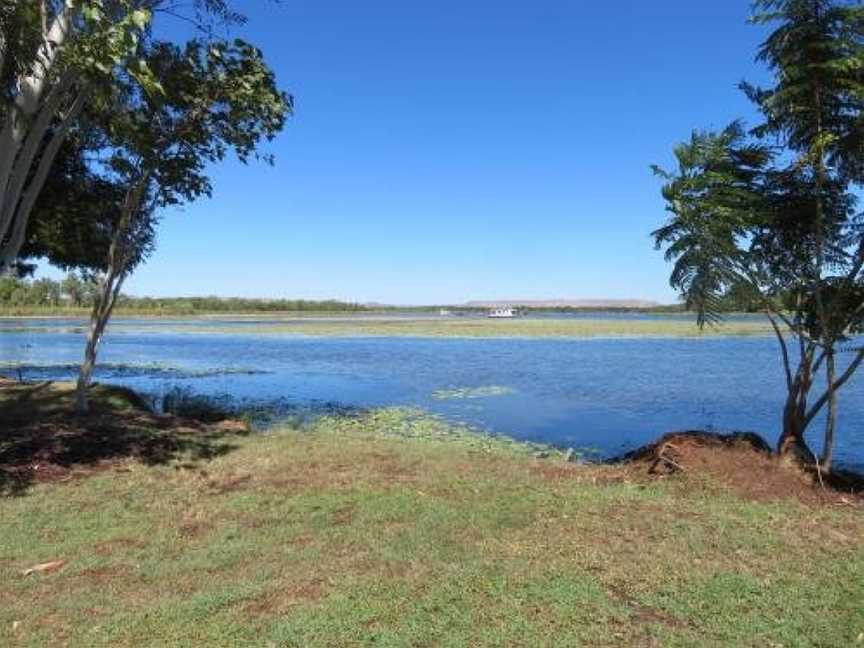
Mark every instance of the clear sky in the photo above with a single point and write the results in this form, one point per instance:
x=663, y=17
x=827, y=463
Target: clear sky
x=462, y=149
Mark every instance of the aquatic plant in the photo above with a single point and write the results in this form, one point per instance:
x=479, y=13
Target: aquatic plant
x=472, y=392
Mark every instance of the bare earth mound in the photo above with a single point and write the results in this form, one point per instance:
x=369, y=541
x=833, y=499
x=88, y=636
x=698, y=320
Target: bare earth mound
x=742, y=463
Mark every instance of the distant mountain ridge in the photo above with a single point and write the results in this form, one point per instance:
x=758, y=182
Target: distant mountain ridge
x=564, y=303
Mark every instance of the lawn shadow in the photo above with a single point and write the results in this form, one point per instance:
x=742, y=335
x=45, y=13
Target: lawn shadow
x=43, y=439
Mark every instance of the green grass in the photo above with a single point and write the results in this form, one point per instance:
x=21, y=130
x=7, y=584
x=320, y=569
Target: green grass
x=396, y=529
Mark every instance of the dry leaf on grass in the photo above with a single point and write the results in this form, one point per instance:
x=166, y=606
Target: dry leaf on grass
x=45, y=568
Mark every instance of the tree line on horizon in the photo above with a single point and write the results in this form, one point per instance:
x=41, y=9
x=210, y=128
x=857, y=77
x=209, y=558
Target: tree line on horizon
x=73, y=294
x=771, y=211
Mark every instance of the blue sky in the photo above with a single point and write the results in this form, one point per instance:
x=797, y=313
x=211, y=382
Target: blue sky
x=462, y=149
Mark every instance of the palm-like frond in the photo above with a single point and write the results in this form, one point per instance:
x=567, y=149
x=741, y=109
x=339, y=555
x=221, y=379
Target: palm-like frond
x=713, y=199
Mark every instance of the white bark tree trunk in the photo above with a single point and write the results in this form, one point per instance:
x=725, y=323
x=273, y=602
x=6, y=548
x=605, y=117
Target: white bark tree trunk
x=39, y=128
x=20, y=213
x=30, y=115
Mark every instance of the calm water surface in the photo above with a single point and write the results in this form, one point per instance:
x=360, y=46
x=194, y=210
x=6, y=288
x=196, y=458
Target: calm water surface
x=605, y=395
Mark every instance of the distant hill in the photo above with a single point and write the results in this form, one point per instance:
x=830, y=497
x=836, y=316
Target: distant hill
x=565, y=303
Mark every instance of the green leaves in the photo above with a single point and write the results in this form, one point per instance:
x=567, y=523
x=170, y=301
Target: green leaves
x=715, y=201
x=140, y=70
x=816, y=53
x=774, y=209
x=140, y=18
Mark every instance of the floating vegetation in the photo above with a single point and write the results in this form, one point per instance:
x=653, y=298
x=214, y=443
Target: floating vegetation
x=118, y=371
x=413, y=423
x=601, y=325
x=463, y=393
x=575, y=328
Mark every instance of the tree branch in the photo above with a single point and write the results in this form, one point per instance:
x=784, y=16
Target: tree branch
x=842, y=380
x=783, y=348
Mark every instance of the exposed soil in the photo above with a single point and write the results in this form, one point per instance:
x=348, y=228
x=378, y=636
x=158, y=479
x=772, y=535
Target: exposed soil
x=742, y=463
x=43, y=439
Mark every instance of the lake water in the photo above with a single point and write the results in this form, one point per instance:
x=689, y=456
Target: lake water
x=605, y=395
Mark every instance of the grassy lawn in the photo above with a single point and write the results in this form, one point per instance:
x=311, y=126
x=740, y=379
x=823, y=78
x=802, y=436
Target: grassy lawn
x=395, y=529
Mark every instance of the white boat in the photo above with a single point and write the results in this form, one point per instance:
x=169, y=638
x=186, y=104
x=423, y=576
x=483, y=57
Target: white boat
x=504, y=312
x=445, y=312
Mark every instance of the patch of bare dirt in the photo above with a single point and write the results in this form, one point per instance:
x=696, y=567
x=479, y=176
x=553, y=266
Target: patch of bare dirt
x=282, y=600
x=742, y=463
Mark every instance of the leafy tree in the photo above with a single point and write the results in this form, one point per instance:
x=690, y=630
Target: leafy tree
x=56, y=56
x=72, y=220
x=216, y=97
x=74, y=288
x=773, y=212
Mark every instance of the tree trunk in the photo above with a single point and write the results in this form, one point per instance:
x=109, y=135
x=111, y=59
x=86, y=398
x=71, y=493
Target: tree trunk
x=109, y=289
x=792, y=445
x=103, y=306
x=82, y=405
x=19, y=214
x=29, y=116
x=831, y=421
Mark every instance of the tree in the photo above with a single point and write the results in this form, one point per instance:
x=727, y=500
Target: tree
x=53, y=51
x=815, y=109
x=772, y=212
x=73, y=287
x=54, y=54
x=216, y=97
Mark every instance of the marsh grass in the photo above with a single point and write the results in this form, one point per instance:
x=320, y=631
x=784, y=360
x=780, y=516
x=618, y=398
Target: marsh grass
x=371, y=325
x=489, y=328
x=392, y=528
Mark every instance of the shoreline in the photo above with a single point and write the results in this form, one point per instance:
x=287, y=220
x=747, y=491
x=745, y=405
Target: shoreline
x=133, y=527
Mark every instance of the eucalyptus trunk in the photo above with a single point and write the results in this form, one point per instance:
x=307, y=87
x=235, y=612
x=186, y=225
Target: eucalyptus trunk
x=31, y=120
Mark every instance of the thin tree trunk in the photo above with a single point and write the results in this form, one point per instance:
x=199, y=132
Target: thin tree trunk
x=109, y=290
x=101, y=313
x=792, y=444
x=2, y=48
x=831, y=422
x=840, y=382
